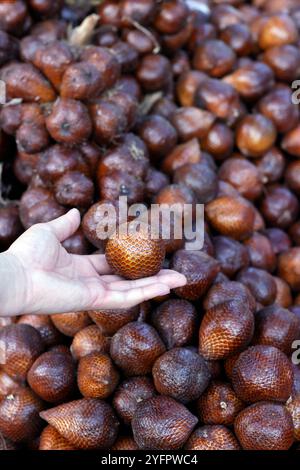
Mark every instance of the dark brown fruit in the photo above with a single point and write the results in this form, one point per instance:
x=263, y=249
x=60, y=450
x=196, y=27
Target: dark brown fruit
x=20, y=346
x=219, y=404
x=43, y=324
x=293, y=407
x=175, y=424
x=74, y=189
x=225, y=329
x=97, y=377
x=176, y=321
x=200, y=270
x=110, y=321
x=181, y=374
x=87, y=423
x=261, y=252
x=276, y=326
x=262, y=373
x=264, y=426
x=158, y=134
x=231, y=255
x=10, y=226
x=130, y=394
x=52, y=376
x=89, y=340
x=135, y=255
x=135, y=347
x=24, y=406
x=260, y=283
x=70, y=323
x=288, y=267
x=243, y=176
x=200, y=178
x=50, y=439
x=212, y=438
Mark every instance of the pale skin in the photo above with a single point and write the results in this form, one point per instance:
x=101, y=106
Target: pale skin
x=38, y=276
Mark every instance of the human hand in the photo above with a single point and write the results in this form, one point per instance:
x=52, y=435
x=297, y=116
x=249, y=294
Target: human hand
x=50, y=280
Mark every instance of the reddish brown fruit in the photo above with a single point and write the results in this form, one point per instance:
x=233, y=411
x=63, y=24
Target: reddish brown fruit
x=288, y=267
x=130, y=394
x=110, y=321
x=200, y=270
x=70, y=323
x=175, y=320
x=276, y=326
x=125, y=443
x=50, y=439
x=135, y=347
x=87, y=423
x=181, y=374
x=231, y=255
x=231, y=217
x=20, y=346
x=256, y=134
x=293, y=407
x=225, y=329
x=24, y=406
x=212, y=438
x=264, y=426
x=135, y=255
x=97, y=377
x=52, y=376
x=89, y=340
x=176, y=424
x=7, y=385
x=260, y=283
x=243, y=176
x=43, y=324
x=262, y=373
x=227, y=291
x=219, y=404
x=283, y=293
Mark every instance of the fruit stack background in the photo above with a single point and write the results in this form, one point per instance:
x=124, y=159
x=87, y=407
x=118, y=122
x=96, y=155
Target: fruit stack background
x=165, y=104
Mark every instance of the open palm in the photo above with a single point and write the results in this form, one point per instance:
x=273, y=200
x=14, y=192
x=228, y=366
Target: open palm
x=58, y=282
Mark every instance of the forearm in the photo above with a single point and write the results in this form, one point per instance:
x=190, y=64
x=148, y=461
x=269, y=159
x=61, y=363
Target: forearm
x=13, y=285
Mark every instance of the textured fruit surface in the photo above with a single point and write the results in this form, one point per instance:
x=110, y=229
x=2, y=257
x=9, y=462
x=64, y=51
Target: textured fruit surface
x=219, y=404
x=52, y=376
x=21, y=345
x=135, y=255
x=225, y=329
x=264, y=426
x=110, y=321
x=212, y=438
x=176, y=423
x=51, y=440
x=89, y=340
x=70, y=323
x=19, y=415
x=135, y=347
x=262, y=373
x=199, y=269
x=87, y=423
x=130, y=394
x=96, y=376
x=181, y=374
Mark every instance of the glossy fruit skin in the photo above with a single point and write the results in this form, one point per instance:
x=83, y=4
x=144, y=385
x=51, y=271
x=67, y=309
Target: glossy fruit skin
x=199, y=269
x=135, y=255
x=70, y=323
x=280, y=207
x=231, y=255
x=130, y=393
x=263, y=426
x=74, y=189
x=181, y=374
x=43, y=324
x=225, y=329
x=227, y=291
x=96, y=376
x=293, y=407
x=135, y=347
x=87, y=423
x=175, y=320
x=176, y=424
x=50, y=439
x=262, y=373
x=212, y=437
x=276, y=326
x=158, y=134
x=200, y=178
x=219, y=404
x=110, y=321
x=125, y=443
x=52, y=376
x=21, y=345
x=260, y=283
x=10, y=226
x=89, y=340
x=288, y=267
x=25, y=406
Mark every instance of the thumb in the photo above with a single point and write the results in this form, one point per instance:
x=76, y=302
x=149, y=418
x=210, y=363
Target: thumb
x=66, y=225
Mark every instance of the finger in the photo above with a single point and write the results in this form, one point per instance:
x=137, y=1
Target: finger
x=171, y=278
x=99, y=263
x=66, y=225
x=132, y=297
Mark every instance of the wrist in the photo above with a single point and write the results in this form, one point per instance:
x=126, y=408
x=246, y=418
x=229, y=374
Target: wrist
x=13, y=286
